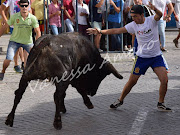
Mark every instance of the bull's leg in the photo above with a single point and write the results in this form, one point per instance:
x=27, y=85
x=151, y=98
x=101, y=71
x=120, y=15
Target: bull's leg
x=86, y=99
x=59, y=96
x=18, y=95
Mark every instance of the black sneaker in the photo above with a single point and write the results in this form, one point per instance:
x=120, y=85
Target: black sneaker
x=175, y=41
x=162, y=107
x=1, y=76
x=116, y=104
x=17, y=69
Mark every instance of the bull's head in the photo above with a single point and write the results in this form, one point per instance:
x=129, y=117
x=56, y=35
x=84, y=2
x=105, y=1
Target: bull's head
x=91, y=80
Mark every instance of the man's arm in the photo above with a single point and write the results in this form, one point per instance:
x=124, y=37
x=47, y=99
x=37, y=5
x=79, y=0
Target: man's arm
x=68, y=15
x=175, y=15
x=99, y=4
x=2, y=12
x=170, y=10
x=158, y=14
x=38, y=32
x=117, y=9
x=107, y=31
x=3, y=28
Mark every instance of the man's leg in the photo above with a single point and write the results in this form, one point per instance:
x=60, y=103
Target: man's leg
x=162, y=75
x=16, y=66
x=27, y=49
x=176, y=39
x=16, y=58
x=5, y=65
x=21, y=54
x=178, y=35
x=25, y=57
x=12, y=48
x=127, y=88
x=161, y=29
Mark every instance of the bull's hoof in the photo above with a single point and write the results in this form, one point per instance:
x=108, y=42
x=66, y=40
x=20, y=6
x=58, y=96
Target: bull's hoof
x=57, y=124
x=9, y=122
x=63, y=110
x=89, y=105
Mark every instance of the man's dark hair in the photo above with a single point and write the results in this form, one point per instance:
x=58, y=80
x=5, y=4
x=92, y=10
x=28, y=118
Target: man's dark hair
x=23, y=1
x=137, y=9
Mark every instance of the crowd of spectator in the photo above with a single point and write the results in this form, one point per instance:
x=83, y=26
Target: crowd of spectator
x=114, y=13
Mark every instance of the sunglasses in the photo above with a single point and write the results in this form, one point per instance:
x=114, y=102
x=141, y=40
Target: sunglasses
x=23, y=5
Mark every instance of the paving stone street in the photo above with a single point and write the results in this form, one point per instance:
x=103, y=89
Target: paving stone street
x=137, y=116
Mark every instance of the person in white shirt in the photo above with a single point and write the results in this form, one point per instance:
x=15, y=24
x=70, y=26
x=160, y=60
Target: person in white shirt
x=176, y=5
x=148, y=54
x=160, y=5
x=83, y=12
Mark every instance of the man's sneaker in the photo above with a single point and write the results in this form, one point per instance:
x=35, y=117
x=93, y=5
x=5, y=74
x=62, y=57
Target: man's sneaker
x=175, y=41
x=130, y=50
x=164, y=50
x=1, y=76
x=162, y=107
x=17, y=69
x=116, y=104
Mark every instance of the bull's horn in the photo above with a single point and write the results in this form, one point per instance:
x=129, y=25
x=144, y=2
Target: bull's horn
x=111, y=68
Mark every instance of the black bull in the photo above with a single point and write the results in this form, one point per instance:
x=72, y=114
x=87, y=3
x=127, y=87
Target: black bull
x=66, y=59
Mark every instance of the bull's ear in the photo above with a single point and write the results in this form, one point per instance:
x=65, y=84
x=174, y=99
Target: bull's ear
x=112, y=70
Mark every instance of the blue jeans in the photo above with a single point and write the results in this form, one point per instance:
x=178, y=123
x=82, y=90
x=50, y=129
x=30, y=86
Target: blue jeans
x=115, y=38
x=13, y=47
x=161, y=29
x=69, y=25
x=56, y=30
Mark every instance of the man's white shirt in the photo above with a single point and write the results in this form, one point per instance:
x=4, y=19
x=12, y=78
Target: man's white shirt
x=147, y=37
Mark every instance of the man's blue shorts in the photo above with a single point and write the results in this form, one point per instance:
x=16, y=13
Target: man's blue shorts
x=142, y=64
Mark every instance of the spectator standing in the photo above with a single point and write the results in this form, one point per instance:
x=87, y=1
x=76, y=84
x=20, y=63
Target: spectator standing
x=69, y=15
x=97, y=19
x=14, y=8
x=127, y=19
x=37, y=7
x=114, y=21
x=161, y=5
x=54, y=17
x=23, y=23
x=176, y=5
x=83, y=13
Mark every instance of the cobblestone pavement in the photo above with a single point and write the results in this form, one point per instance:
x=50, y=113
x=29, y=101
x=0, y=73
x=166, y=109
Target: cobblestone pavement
x=137, y=116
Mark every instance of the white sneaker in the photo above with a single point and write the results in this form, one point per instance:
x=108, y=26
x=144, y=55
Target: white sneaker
x=126, y=48
x=130, y=50
x=100, y=50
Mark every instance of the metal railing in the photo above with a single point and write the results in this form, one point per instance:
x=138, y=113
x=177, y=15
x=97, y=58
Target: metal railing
x=46, y=21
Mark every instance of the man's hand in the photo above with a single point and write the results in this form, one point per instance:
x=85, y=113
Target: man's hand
x=94, y=31
x=58, y=13
x=83, y=14
x=176, y=18
x=111, y=2
x=3, y=22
